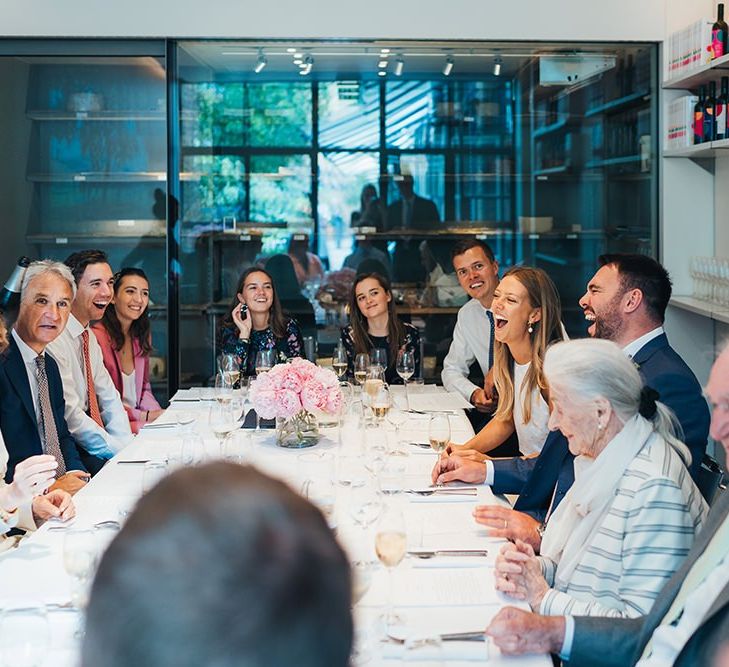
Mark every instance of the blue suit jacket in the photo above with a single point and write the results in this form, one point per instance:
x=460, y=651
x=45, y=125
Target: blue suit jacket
x=18, y=421
x=661, y=368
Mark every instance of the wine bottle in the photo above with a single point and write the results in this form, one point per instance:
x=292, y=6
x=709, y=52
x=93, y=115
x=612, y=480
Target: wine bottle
x=709, y=113
x=719, y=33
x=10, y=295
x=720, y=109
x=699, y=116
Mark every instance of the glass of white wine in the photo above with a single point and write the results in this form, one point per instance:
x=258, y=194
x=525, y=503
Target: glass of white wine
x=439, y=432
x=223, y=420
x=339, y=361
x=405, y=367
x=223, y=388
x=397, y=416
x=229, y=364
x=380, y=402
x=361, y=364
x=265, y=360
x=391, y=545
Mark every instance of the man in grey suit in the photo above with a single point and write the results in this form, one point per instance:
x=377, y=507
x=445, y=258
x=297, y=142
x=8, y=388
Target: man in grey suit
x=687, y=619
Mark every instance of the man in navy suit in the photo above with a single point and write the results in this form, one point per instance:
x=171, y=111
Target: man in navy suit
x=30, y=384
x=625, y=302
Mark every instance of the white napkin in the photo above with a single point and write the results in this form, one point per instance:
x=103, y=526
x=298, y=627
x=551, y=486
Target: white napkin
x=466, y=651
x=451, y=562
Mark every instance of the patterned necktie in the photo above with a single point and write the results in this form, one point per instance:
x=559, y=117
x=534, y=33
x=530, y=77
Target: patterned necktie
x=90, y=389
x=704, y=565
x=51, y=445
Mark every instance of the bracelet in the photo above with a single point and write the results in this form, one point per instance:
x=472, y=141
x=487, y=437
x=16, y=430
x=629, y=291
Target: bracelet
x=146, y=418
x=243, y=340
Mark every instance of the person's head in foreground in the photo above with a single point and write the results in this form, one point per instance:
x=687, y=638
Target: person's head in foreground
x=221, y=565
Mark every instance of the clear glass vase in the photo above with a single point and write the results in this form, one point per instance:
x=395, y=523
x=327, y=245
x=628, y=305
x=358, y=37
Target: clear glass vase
x=297, y=432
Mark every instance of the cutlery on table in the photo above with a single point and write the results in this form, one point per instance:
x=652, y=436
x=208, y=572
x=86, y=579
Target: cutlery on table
x=446, y=491
x=475, y=636
x=425, y=554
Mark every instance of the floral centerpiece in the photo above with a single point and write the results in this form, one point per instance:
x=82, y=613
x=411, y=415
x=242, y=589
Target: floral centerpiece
x=293, y=393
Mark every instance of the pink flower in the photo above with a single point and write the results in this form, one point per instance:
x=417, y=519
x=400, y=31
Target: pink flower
x=264, y=403
x=288, y=403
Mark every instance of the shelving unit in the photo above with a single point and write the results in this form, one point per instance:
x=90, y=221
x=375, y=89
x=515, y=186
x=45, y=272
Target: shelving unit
x=712, y=311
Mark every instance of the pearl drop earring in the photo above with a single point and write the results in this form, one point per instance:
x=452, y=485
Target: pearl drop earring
x=530, y=329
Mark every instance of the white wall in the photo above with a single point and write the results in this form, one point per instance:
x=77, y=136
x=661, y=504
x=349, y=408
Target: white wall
x=635, y=20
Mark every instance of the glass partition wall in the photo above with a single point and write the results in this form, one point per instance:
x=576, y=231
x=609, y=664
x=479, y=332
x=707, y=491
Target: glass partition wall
x=544, y=150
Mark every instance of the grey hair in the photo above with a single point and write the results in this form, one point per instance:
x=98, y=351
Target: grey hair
x=591, y=368
x=42, y=266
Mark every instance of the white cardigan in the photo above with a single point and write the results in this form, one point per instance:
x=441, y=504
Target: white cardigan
x=644, y=538
x=22, y=517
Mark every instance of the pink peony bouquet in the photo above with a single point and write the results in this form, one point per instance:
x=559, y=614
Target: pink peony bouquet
x=289, y=388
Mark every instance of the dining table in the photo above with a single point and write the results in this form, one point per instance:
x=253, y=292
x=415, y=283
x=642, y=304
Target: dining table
x=443, y=586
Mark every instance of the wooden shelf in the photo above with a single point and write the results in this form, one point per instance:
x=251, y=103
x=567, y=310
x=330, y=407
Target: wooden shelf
x=713, y=311
x=709, y=149
x=713, y=71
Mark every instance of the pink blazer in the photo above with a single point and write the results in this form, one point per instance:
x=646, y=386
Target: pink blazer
x=112, y=361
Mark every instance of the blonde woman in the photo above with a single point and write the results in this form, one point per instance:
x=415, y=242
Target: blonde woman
x=527, y=319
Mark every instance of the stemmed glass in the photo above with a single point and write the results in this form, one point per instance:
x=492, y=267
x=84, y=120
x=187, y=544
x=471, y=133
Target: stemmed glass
x=391, y=544
x=361, y=364
x=380, y=402
x=223, y=421
x=223, y=388
x=24, y=635
x=397, y=416
x=439, y=432
x=405, y=367
x=339, y=361
x=80, y=553
x=229, y=364
x=265, y=360
x=379, y=358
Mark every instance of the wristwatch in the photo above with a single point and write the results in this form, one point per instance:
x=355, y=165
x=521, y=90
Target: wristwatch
x=541, y=528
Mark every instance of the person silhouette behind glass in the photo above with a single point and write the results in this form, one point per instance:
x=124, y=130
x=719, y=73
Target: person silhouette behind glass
x=415, y=213
x=293, y=302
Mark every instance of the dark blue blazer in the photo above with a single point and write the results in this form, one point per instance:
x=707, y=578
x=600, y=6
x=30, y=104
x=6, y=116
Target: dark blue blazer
x=18, y=421
x=661, y=368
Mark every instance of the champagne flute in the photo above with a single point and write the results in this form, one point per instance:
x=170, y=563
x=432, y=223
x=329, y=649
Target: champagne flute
x=379, y=358
x=381, y=402
x=391, y=544
x=339, y=361
x=222, y=421
x=439, y=432
x=265, y=360
x=361, y=364
x=405, y=367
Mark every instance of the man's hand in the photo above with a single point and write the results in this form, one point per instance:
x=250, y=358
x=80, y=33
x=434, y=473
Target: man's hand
x=454, y=468
x=55, y=504
x=72, y=481
x=31, y=477
x=516, y=632
x=510, y=524
x=517, y=572
x=480, y=400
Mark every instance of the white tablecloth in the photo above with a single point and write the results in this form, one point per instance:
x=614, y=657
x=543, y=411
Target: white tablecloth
x=453, y=594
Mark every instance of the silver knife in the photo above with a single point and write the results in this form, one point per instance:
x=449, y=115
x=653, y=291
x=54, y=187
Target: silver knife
x=448, y=552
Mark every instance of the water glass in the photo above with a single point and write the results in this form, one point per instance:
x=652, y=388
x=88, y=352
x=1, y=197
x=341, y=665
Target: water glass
x=80, y=554
x=153, y=472
x=25, y=635
x=439, y=432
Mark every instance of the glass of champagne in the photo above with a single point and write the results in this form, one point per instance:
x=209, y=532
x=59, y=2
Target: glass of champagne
x=391, y=544
x=375, y=378
x=405, y=367
x=229, y=364
x=339, y=361
x=265, y=360
x=379, y=358
x=25, y=634
x=381, y=402
x=223, y=421
x=439, y=432
x=361, y=364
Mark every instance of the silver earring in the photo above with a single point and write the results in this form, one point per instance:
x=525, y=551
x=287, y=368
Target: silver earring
x=599, y=426
x=531, y=328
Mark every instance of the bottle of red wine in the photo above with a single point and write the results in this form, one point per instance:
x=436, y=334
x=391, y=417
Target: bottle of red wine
x=709, y=113
x=719, y=33
x=699, y=116
x=720, y=109
x=10, y=294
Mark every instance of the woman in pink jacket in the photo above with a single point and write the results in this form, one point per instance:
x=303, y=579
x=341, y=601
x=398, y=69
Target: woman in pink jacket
x=125, y=339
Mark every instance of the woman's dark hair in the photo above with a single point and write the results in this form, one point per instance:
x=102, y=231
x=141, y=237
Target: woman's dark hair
x=299, y=248
x=140, y=328
x=360, y=334
x=281, y=269
x=276, y=319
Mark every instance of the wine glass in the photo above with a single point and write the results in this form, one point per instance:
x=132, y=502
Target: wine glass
x=265, y=360
x=191, y=447
x=223, y=420
x=397, y=416
x=24, y=634
x=80, y=552
x=405, y=367
x=379, y=358
x=339, y=361
x=391, y=545
x=439, y=432
x=223, y=388
x=153, y=472
x=365, y=503
x=361, y=364
x=381, y=402
x=229, y=365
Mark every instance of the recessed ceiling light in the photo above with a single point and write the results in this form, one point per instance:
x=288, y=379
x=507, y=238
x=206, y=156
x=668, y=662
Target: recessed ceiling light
x=382, y=72
x=382, y=64
x=291, y=49
x=298, y=61
x=384, y=50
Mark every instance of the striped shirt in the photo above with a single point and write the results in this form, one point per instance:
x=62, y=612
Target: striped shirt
x=642, y=541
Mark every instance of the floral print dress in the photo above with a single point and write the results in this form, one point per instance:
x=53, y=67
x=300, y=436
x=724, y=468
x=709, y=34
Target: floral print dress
x=292, y=345
x=410, y=341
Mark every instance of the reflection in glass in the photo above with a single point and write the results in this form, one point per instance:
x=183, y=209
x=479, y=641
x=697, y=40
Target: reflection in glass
x=349, y=114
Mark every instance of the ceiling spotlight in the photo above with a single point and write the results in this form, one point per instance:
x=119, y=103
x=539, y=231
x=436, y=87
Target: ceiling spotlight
x=261, y=62
x=298, y=54
x=399, y=66
x=384, y=50
x=298, y=61
x=382, y=64
x=382, y=72
x=448, y=67
x=306, y=66
x=497, y=66
x=291, y=49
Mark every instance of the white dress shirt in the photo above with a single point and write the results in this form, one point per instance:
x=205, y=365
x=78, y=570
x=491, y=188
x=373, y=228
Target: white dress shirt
x=472, y=338
x=67, y=350
x=29, y=355
x=632, y=348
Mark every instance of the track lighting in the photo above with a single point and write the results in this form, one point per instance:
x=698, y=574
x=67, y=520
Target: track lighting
x=448, y=68
x=399, y=66
x=261, y=62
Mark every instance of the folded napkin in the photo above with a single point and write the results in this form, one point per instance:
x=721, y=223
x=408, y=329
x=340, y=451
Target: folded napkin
x=450, y=562
x=466, y=651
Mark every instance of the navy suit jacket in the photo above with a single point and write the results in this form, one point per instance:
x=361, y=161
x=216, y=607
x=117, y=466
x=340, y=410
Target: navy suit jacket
x=18, y=421
x=661, y=368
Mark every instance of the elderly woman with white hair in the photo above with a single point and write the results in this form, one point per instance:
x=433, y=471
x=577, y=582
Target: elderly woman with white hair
x=630, y=518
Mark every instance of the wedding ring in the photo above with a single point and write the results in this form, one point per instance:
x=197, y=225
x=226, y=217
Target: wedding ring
x=505, y=524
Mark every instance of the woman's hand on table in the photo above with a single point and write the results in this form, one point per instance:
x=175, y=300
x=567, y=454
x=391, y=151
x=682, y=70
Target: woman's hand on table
x=509, y=524
x=454, y=468
x=151, y=415
x=55, y=504
x=517, y=572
